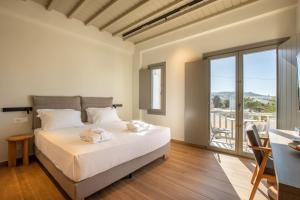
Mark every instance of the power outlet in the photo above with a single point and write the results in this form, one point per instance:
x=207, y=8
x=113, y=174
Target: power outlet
x=19, y=120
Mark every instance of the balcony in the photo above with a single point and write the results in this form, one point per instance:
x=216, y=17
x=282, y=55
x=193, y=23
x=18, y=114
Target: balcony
x=223, y=127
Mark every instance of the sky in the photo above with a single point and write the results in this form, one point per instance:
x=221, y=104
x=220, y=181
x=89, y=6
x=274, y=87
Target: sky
x=259, y=73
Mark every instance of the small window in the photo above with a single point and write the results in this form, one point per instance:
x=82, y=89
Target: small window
x=158, y=85
x=156, y=89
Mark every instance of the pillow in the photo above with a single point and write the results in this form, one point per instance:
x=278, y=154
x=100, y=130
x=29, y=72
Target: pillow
x=59, y=118
x=100, y=115
x=90, y=112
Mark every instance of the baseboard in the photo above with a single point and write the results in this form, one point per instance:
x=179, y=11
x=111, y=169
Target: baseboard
x=19, y=160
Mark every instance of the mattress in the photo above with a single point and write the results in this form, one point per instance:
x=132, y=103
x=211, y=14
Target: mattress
x=79, y=160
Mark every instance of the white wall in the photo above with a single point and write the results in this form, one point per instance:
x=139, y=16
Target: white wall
x=259, y=21
x=44, y=53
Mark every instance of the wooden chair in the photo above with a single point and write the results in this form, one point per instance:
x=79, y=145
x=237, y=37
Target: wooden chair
x=264, y=144
x=265, y=166
x=273, y=193
x=264, y=138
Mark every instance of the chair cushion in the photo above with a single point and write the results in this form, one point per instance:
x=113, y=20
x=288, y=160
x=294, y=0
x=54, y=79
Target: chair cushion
x=254, y=141
x=270, y=167
x=255, y=130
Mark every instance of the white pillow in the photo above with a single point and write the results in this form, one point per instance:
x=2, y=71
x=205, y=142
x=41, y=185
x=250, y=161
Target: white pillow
x=100, y=115
x=59, y=118
x=90, y=112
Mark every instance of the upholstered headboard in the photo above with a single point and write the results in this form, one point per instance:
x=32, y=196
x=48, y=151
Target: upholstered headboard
x=68, y=102
x=94, y=102
x=53, y=102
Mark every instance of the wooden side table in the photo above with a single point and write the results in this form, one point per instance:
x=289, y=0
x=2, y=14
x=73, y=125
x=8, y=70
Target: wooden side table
x=12, y=144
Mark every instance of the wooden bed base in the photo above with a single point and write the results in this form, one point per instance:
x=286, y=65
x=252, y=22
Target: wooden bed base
x=86, y=187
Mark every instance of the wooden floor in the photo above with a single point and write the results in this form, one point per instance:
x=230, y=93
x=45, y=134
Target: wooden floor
x=188, y=173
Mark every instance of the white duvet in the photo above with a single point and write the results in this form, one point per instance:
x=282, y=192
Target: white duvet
x=79, y=160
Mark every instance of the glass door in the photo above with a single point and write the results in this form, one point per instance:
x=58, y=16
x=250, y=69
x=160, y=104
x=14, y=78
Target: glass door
x=223, y=102
x=259, y=75
x=243, y=93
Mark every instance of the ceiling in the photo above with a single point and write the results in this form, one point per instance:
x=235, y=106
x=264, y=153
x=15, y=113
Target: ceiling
x=140, y=20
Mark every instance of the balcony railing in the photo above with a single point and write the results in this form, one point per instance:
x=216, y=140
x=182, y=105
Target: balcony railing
x=226, y=119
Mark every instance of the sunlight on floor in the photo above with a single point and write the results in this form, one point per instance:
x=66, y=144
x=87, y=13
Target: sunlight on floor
x=228, y=144
x=237, y=178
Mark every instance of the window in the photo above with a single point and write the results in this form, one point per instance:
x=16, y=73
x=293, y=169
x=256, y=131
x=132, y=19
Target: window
x=158, y=85
x=156, y=89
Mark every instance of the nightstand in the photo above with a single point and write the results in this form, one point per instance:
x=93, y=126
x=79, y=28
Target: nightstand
x=12, y=144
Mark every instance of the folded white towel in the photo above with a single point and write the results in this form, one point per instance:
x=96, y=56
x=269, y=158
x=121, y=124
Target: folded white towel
x=95, y=135
x=137, y=126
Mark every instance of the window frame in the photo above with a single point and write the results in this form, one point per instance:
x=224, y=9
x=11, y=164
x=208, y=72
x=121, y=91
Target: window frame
x=162, y=110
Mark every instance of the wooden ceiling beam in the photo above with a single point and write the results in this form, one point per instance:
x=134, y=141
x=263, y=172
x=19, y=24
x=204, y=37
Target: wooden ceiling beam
x=200, y=5
x=51, y=4
x=75, y=8
x=146, y=17
x=123, y=14
x=196, y=21
x=95, y=15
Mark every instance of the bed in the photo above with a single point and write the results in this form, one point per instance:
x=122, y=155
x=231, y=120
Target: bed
x=82, y=169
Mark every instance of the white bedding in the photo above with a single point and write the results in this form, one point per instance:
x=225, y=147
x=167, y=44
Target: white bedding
x=79, y=160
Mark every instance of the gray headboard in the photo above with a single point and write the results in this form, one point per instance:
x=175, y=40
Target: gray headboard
x=53, y=102
x=94, y=102
x=67, y=102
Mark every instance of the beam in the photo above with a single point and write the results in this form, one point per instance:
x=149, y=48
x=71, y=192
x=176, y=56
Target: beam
x=172, y=17
x=146, y=17
x=126, y=12
x=95, y=15
x=196, y=21
x=75, y=9
x=51, y=4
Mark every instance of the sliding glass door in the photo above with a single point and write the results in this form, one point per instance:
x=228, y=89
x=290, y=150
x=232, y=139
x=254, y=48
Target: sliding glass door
x=222, y=102
x=242, y=94
x=259, y=91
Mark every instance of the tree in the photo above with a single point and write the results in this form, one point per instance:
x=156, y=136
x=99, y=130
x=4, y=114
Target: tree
x=250, y=103
x=258, y=106
x=270, y=107
x=225, y=103
x=217, y=101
